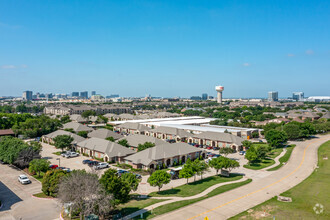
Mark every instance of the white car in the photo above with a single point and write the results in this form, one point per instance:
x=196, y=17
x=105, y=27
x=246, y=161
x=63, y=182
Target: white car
x=70, y=154
x=101, y=165
x=23, y=179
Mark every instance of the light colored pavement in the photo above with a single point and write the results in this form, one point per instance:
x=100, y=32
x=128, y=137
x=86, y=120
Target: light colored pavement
x=17, y=199
x=301, y=164
x=175, y=199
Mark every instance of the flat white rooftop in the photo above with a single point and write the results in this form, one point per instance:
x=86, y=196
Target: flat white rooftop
x=181, y=122
x=155, y=120
x=198, y=128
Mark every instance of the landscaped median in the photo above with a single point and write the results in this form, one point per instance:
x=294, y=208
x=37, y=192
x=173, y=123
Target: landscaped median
x=310, y=198
x=285, y=157
x=184, y=201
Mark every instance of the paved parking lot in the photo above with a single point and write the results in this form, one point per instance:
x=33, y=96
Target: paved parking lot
x=17, y=199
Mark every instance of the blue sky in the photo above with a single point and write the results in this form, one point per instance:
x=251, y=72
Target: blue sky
x=165, y=48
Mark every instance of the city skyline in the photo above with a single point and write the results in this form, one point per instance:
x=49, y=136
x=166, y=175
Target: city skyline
x=166, y=49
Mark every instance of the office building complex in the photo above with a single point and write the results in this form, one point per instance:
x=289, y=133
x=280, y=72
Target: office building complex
x=93, y=93
x=27, y=95
x=84, y=95
x=273, y=96
x=75, y=94
x=298, y=96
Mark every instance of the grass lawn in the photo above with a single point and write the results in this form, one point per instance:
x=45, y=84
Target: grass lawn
x=196, y=187
x=41, y=195
x=284, y=158
x=136, y=204
x=58, y=153
x=275, y=153
x=176, y=205
x=260, y=164
x=39, y=177
x=313, y=190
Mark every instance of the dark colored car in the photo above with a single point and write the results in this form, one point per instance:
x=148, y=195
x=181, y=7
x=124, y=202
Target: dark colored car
x=86, y=161
x=121, y=172
x=92, y=163
x=60, y=168
x=53, y=166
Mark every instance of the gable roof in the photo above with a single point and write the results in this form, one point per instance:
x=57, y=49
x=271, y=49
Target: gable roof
x=146, y=156
x=171, y=130
x=134, y=126
x=4, y=132
x=111, y=149
x=136, y=139
x=76, y=138
x=326, y=115
x=218, y=136
x=77, y=127
x=77, y=118
x=104, y=133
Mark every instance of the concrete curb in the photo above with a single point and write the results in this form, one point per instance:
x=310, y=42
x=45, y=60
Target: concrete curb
x=42, y=198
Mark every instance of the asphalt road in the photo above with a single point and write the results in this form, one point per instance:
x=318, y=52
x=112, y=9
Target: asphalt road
x=301, y=164
x=17, y=199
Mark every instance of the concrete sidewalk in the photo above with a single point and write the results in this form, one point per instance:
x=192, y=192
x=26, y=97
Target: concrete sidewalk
x=301, y=164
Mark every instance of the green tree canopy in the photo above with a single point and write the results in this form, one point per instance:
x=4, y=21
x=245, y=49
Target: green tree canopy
x=39, y=165
x=123, y=142
x=82, y=134
x=88, y=113
x=159, y=178
x=51, y=180
x=251, y=154
x=144, y=146
x=131, y=180
x=275, y=137
x=62, y=141
x=110, y=139
x=226, y=151
x=115, y=186
x=187, y=170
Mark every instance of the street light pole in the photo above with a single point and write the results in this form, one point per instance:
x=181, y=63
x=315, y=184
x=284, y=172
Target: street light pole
x=59, y=161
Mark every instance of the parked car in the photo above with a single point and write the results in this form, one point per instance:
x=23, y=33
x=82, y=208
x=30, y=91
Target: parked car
x=121, y=172
x=92, y=163
x=216, y=155
x=138, y=176
x=70, y=154
x=216, y=148
x=86, y=161
x=260, y=141
x=23, y=179
x=67, y=170
x=60, y=168
x=242, y=152
x=53, y=166
x=209, y=148
x=101, y=165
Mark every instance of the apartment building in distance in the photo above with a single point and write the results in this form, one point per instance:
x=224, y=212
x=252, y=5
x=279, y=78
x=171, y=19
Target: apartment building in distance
x=78, y=109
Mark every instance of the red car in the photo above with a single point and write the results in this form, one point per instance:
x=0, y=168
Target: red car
x=53, y=166
x=209, y=148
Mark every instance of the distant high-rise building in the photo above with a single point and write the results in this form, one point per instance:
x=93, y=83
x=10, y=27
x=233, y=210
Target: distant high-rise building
x=195, y=98
x=93, y=93
x=113, y=96
x=204, y=96
x=84, y=95
x=75, y=94
x=27, y=95
x=273, y=96
x=298, y=96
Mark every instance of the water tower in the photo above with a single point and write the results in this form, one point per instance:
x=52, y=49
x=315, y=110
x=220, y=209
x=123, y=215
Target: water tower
x=219, y=89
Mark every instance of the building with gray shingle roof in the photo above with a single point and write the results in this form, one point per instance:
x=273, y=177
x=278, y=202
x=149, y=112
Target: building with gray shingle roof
x=77, y=127
x=49, y=137
x=169, y=133
x=78, y=118
x=104, y=133
x=135, y=139
x=217, y=139
x=132, y=128
x=106, y=150
x=164, y=154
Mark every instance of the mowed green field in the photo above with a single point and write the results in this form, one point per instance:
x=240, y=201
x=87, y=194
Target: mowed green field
x=305, y=196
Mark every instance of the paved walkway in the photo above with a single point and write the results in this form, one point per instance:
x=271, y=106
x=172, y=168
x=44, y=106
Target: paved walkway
x=175, y=199
x=301, y=164
x=277, y=160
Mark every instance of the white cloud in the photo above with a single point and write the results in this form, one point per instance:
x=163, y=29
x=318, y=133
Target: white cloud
x=8, y=67
x=309, y=52
x=290, y=55
x=246, y=64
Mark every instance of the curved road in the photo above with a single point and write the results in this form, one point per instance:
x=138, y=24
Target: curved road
x=301, y=164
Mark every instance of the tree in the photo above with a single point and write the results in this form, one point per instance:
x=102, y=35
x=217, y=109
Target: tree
x=65, y=119
x=217, y=164
x=103, y=119
x=38, y=165
x=25, y=156
x=144, y=146
x=261, y=152
x=51, y=180
x=88, y=113
x=187, y=170
x=62, y=141
x=88, y=196
x=255, y=135
x=251, y=154
x=247, y=144
x=116, y=186
x=131, y=180
x=82, y=134
x=11, y=148
x=110, y=139
x=159, y=178
x=229, y=164
x=275, y=137
x=226, y=151
x=70, y=130
x=200, y=167
x=123, y=142
x=291, y=130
